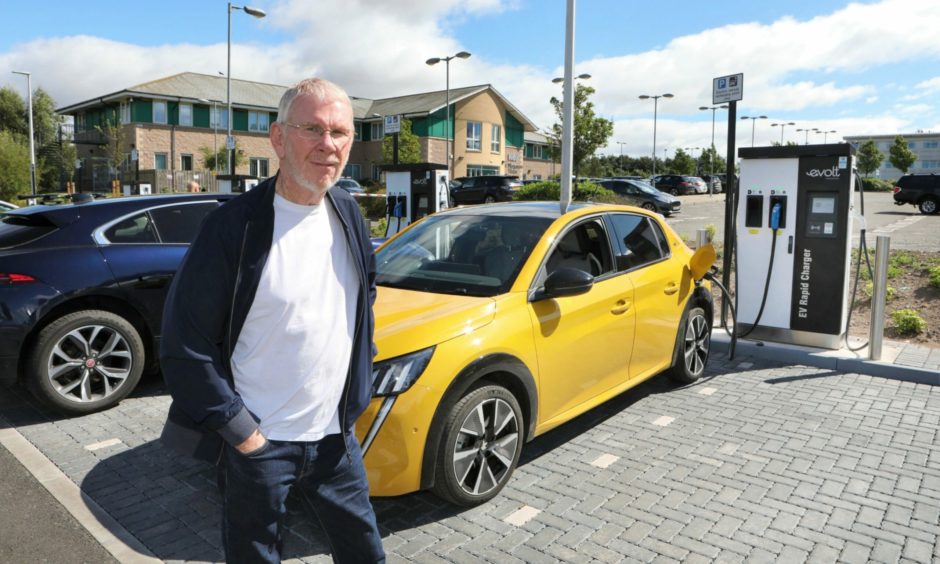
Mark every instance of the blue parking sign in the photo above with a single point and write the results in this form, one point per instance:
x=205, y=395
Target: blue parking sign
x=722, y=84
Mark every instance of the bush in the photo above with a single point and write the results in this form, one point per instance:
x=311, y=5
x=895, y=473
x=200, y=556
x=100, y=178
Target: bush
x=712, y=230
x=934, y=274
x=869, y=289
x=551, y=191
x=372, y=208
x=907, y=322
x=901, y=258
x=877, y=185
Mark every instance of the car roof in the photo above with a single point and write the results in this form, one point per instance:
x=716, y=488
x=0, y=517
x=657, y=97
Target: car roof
x=541, y=209
x=129, y=201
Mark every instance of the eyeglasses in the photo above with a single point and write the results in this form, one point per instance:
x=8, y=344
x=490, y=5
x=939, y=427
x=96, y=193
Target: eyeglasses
x=316, y=133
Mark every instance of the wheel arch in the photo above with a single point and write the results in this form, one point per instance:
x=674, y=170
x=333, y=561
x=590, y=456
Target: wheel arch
x=702, y=298
x=501, y=369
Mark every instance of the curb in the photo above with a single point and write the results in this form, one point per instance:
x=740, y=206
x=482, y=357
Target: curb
x=824, y=358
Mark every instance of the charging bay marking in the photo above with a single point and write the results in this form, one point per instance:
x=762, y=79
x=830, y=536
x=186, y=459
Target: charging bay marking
x=664, y=420
x=522, y=516
x=707, y=391
x=605, y=460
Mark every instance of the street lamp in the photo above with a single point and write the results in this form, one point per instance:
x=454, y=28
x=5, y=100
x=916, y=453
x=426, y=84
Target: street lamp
x=782, y=126
x=806, y=137
x=691, y=154
x=621, y=143
x=825, y=133
x=753, y=119
x=655, y=109
x=32, y=145
x=711, y=154
x=229, y=140
x=582, y=76
x=431, y=62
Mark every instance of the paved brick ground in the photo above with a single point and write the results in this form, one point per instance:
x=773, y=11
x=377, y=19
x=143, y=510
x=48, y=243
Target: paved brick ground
x=759, y=462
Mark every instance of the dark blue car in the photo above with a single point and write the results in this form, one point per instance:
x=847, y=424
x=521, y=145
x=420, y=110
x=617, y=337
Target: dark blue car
x=82, y=288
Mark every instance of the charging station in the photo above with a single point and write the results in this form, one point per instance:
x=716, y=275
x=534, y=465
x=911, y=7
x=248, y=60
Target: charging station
x=413, y=191
x=795, y=206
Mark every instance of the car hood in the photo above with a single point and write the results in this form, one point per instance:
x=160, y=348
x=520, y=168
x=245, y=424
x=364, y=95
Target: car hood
x=408, y=320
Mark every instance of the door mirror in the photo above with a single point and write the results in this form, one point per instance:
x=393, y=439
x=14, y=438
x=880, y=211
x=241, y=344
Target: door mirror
x=565, y=282
x=701, y=261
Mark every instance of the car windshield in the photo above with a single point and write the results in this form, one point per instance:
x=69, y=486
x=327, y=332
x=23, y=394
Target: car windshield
x=474, y=255
x=645, y=188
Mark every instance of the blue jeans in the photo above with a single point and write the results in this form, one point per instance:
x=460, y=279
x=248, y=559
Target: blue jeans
x=254, y=490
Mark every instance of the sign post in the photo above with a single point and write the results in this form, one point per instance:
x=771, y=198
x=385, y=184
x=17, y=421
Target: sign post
x=393, y=126
x=728, y=90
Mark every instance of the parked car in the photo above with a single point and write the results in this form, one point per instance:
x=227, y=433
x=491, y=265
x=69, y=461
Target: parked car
x=7, y=206
x=644, y=195
x=921, y=190
x=350, y=186
x=712, y=183
x=495, y=324
x=484, y=189
x=678, y=184
x=82, y=288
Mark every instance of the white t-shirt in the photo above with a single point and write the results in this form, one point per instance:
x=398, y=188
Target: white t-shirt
x=292, y=356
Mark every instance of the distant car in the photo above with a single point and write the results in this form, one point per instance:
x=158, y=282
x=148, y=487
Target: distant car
x=484, y=189
x=6, y=206
x=82, y=288
x=921, y=190
x=644, y=195
x=628, y=177
x=678, y=184
x=350, y=186
x=714, y=182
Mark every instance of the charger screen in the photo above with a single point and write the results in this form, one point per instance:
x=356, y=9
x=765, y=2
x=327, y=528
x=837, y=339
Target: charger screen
x=824, y=205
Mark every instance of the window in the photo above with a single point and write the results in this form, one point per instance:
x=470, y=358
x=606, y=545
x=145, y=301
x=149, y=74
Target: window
x=179, y=224
x=125, y=112
x=377, y=132
x=186, y=162
x=159, y=161
x=495, y=138
x=218, y=117
x=474, y=129
x=258, y=121
x=135, y=229
x=258, y=167
x=584, y=247
x=481, y=170
x=186, y=115
x=358, y=128
x=931, y=144
x=641, y=241
x=352, y=171
x=911, y=145
x=159, y=111
x=377, y=173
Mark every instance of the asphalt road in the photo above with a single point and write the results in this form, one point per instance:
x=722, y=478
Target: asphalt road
x=907, y=227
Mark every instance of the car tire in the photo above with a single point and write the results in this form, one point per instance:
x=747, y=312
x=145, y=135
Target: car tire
x=85, y=361
x=692, y=347
x=673, y=191
x=480, y=446
x=649, y=206
x=928, y=206
x=489, y=199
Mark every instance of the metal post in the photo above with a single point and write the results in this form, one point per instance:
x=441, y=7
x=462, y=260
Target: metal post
x=655, y=108
x=32, y=142
x=228, y=102
x=701, y=238
x=450, y=156
x=878, y=292
x=567, y=110
x=730, y=197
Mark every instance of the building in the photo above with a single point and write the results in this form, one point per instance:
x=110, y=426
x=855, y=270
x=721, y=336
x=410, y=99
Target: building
x=540, y=162
x=165, y=130
x=925, y=145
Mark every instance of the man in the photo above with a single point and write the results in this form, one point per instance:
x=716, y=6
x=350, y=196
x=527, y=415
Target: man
x=192, y=186
x=267, y=341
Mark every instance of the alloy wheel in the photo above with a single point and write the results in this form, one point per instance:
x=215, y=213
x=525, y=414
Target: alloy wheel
x=89, y=363
x=695, y=349
x=485, y=447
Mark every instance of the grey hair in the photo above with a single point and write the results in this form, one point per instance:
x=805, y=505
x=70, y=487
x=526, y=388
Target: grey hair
x=319, y=87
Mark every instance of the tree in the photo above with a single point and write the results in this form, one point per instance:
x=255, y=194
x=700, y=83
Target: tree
x=409, y=148
x=14, y=166
x=12, y=112
x=590, y=132
x=869, y=157
x=114, y=149
x=219, y=160
x=901, y=156
x=710, y=162
x=683, y=163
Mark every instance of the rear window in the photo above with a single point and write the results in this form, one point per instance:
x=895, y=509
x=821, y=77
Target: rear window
x=16, y=230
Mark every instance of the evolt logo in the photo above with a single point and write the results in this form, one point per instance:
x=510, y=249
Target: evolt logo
x=824, y=172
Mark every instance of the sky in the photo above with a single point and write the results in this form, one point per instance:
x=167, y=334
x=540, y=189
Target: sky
x=859, y=68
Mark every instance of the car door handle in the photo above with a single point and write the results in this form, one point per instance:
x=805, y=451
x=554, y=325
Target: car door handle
x=671, y=288
x=622, y=306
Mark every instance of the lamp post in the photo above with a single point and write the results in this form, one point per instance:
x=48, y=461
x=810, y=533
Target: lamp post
x=431, y=62
x=753, y=119
x=229, y=140
x=782, y=126
x=621, y=143
x=806, y=136
x=826, y=133
x=692, y=154
x=655, y=110
x=711, y=154
x=32, y=143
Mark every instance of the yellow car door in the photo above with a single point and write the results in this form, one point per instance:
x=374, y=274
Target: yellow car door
x=583, y=342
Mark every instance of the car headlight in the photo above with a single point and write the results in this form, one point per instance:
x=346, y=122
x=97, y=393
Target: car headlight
x=395, y=375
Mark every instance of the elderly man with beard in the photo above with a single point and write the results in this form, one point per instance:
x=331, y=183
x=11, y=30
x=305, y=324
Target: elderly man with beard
x=267, y=341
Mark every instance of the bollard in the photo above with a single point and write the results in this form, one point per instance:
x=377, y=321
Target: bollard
x=878, y=292
x=701, y=238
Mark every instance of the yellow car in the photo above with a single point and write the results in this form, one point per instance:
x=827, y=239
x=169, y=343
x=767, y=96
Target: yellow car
x=497, y=323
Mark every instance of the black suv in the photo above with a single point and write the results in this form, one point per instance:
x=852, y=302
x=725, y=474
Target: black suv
x=484, y=189
x=921, y=190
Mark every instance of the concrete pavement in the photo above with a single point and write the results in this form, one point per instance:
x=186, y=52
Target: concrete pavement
x=763, y=460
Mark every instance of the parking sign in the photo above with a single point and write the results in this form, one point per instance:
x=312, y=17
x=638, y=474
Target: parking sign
x=392, y=124
x=728, y=88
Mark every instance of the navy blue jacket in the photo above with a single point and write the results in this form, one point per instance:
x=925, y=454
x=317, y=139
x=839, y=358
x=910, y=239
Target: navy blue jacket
x=206, y=309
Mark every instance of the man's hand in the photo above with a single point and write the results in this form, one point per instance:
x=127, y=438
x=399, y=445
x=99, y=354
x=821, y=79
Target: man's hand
x=255, y=441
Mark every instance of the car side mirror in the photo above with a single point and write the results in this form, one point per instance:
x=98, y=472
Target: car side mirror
x=565, y=282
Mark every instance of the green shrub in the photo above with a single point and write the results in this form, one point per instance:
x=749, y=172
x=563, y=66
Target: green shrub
x=712, y=230
x=934, y=274
x=901, y=258
x=551, y=192
x=877, y=185
x=378, y=228
x=869, y=289
x=907, y=322
x=372, y=208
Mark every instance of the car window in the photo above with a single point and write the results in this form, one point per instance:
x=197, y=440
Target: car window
x=583, y=247
x=472, y=254
x=641, y=241
x=179, y=224
x=134, y=230
x=469, y=183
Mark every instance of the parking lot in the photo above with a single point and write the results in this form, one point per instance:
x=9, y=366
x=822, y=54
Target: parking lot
x=757, y=462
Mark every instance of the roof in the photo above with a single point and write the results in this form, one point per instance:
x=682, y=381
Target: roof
x=195, y=87
x=536, y=137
